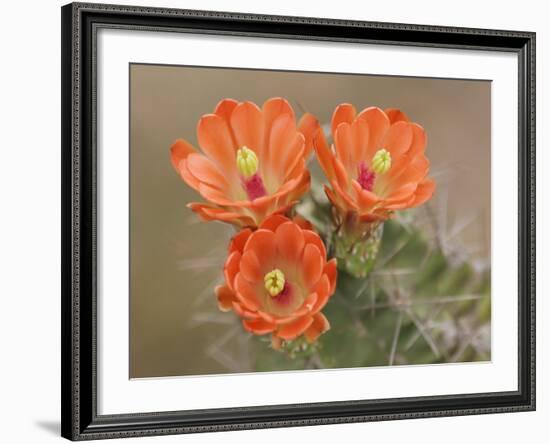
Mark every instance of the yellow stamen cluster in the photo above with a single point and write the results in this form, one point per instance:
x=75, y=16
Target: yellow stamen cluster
x=381, y=162
x=247, y=162
x=274, y=282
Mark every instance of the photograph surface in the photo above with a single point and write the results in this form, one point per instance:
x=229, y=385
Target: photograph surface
x=297, y=220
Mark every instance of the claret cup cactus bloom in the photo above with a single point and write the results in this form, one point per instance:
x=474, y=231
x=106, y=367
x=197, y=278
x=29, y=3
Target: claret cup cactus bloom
x=278, y=279
x=253, y=161
x=376, y=165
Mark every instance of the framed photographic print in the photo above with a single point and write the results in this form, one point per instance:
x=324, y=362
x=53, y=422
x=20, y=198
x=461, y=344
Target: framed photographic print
x=277, y=221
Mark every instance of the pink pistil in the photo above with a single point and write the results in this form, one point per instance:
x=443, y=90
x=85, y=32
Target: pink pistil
x=285, y=296
x=254, y=187
x=365, y=177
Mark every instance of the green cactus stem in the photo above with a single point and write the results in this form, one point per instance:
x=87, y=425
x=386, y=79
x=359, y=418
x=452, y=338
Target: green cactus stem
x=356, y=244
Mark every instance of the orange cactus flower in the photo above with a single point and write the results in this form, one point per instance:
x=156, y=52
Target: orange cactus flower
x=376, y=164
x=253, y=161
x=277, y=279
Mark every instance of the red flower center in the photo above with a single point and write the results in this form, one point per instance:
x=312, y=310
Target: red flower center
x=365, y=177
x=285, y=296
x=254, y=187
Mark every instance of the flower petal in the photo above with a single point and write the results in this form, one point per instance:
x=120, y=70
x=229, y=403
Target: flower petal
x=343, y=113
x=343, y=143
x=398, y=139
x=295, y=328
x=310, y=301
x=258, y=326
x=206, y=171
x=322, y=289
x=378, y=126
x=225, y=296
x=297, y=170
x=308, y=126
x=312, y=265
x=290, y=241
x=303, y=223
x=268, y=317
x=331, y=272
x=231, y=268
x=179, y=151
x=334, y=199
x=311, y=237
x=294, y=156
x=216, y=141
x=419, y=141
x=424, y=191
x=396, y=115
x=324, y=154
x=319, y=326
x=378, y=215
x=217, y=196
x=243, y=312
x=224, y=108
x=412, y=170
x=285, y=142
x=272, y=109
x=238, y=241
x=307, y=306
x=262, y=205
x=404, y=192
x=262, y=242
x=209, y=213
x=340, y=173
x=360, y=140
x=245, y=293
x=247, y=125
x=187, y=177
x=300, y=187
x=250, y=267
x=271, y=223
x=405, y=202
x=344, y=197
x=365, y=198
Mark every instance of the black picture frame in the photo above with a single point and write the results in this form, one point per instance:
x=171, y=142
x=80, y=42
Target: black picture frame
x=80, y=22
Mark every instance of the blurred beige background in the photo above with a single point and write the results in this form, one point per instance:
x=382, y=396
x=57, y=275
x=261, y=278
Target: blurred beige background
x=175, y=261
